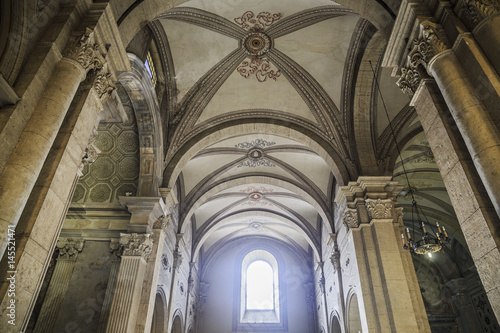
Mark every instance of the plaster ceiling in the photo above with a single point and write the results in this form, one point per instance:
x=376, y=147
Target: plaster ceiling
x=300, y=77
x=238, y=188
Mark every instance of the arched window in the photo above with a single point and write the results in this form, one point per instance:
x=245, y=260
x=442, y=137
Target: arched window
x=260, y=286
x=260, y=293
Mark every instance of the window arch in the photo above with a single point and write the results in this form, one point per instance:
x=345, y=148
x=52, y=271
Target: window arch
x=259, y=286
x=260, y=293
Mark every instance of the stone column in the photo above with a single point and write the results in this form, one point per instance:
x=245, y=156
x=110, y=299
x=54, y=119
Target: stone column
x=116, y=253
x=478, y=219
x=147, y=303
x=68, y=253
x=481, y=136
x=380, y=272
x=25, y=163
x=126, y=299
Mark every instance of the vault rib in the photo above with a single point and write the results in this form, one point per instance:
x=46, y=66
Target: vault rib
x=205, y=20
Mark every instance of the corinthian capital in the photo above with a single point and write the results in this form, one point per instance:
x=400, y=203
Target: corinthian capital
x=432, y=40
x=103, y=83
x=162, y=223
x=84, y=50
x=350, y=218
x=69, y=248
x=136, y=245
x=379, y=209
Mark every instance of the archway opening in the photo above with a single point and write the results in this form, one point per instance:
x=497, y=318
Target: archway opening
x=354, y=316
x=158, y=322
x=177, y=325
x=336, y=325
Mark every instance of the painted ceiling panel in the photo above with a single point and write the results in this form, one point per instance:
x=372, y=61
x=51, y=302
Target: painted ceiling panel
x=198, y=168
x=266, y=140
x=321, y=49
x=231, y=9
x=240, y=93
x=312, y=166
x=195, y=50
x=247, y=167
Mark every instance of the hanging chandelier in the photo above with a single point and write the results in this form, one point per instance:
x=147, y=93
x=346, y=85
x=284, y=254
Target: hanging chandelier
x=433, y=237
x=432, y=240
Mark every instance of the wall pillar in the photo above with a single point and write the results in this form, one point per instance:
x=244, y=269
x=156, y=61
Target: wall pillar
x=376, y=268
x=126, y=299
x=478, y=219
x=148, y=296
x=68, y=253
x=26, y=161
x=116, y=253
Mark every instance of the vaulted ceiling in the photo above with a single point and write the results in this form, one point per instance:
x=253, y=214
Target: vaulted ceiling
x=306, y=66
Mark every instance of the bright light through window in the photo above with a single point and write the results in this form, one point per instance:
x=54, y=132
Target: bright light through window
x=260, y=286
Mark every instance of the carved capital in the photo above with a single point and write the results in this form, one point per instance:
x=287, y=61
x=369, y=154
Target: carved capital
x=409, y=80
x=379, y=209
x=162, y=223
x=69, y=248
x=177, y=259
x=136, y=245
x=399, y=215
x=335, y=259
x=350, y=218
x=478, y=10
x=85, y=50
x=91, y=151
x=103, y=83
x=432, y=41
x=116, y=249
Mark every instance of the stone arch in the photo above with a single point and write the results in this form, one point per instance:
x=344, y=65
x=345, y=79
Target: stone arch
x=254, y=242
x=158, y=323
x=199, y=243
x=353, y=314
x=177, y=322
x=138, y=85
x=228, y=130
x=325, y=215
x=335, y=326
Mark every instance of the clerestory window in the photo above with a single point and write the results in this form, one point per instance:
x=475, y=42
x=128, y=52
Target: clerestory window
x=260, y=286
x=260, y=294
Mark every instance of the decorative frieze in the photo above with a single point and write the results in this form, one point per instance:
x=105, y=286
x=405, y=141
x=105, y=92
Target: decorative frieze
x=379, y=209
x=136, y=245
x=69, y=248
